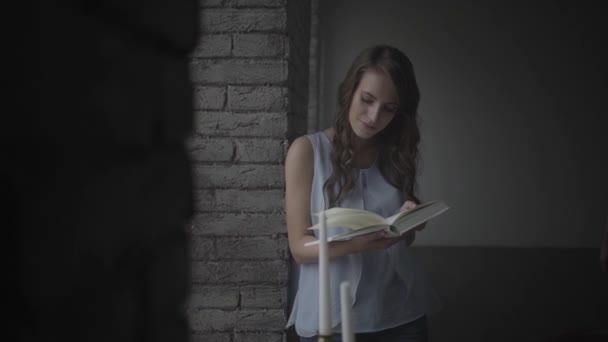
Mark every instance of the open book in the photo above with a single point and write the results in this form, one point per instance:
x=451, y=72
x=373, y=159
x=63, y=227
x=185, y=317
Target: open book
x=363, y=222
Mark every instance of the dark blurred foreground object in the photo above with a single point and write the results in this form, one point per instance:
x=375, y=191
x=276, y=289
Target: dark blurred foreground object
x=98, y=179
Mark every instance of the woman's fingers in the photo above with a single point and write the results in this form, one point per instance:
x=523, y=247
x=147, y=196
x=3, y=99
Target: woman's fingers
x=408, y=205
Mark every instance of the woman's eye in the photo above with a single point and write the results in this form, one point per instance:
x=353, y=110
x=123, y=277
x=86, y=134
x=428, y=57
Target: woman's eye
x=366, y=100
x=391, y=109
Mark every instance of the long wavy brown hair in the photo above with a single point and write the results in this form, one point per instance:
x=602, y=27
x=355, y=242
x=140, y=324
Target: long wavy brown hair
x=397, y=144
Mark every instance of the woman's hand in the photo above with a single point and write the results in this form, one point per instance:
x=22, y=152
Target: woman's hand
x=378, y=240
x=375, y=240
x=408, y=205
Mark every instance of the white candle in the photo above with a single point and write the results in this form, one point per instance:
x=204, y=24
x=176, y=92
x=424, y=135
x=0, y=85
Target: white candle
x=345, y=305
x=324, y=315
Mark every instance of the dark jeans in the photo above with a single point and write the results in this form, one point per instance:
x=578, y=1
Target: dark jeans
x=415, y=331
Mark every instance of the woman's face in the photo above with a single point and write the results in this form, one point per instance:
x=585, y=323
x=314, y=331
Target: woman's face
x=374, y=104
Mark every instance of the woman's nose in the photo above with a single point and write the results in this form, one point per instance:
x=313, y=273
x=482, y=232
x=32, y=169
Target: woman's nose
x=373, y=112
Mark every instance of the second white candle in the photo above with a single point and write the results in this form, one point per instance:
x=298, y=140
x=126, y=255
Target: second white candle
x=345, y=306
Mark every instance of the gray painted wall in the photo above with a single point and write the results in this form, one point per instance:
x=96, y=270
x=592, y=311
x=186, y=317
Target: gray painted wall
x=512, y=116
x=517, y=294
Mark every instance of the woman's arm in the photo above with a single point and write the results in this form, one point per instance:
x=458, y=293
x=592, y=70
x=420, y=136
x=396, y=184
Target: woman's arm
x=299, y=168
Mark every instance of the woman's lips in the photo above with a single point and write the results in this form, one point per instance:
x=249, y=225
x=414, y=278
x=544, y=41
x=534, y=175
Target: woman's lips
x=367, y=126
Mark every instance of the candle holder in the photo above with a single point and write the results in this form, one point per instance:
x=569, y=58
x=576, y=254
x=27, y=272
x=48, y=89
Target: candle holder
x=325, y=338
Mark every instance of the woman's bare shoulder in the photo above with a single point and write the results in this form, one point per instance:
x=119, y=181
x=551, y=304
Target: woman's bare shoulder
x=300, y=151
x=330, y=132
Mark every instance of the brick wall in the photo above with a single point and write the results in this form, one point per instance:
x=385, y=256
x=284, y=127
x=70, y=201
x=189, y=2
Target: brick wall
x=250, y=94
x=314, y=123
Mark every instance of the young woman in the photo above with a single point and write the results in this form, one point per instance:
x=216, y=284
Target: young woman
x=367, y=160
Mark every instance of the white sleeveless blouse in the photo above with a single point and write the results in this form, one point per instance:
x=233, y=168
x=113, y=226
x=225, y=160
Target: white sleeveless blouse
x=389, y=288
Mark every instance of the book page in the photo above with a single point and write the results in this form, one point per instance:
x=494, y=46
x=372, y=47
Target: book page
x=349, y=235
x=351, y=218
